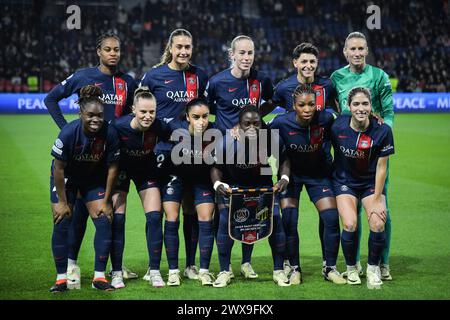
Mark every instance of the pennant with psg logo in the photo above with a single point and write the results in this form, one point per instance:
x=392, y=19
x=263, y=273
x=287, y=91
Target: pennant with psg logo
x=191, y=81
x=250, y=217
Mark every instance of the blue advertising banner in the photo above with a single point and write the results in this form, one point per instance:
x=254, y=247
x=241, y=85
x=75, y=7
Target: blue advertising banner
x=28, y=103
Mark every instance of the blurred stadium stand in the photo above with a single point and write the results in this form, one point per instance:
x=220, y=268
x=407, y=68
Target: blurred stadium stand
x=38, y=51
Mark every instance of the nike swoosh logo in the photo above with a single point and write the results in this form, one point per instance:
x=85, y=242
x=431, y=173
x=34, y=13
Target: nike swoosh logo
x=167, y=81
x=292, y=133
x=101, y=194
x=340, y=91
x=342, y=137
x=232, y=89
x=325, y=190
x=98, y=84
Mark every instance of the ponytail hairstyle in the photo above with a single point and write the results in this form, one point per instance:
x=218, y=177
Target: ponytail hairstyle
x=105, y=36
x=142, y=93
x=233, y=46
x=89, y=94
x=303, y=88
x=194, y=103
x=249, y=108
x=355, y=34
x=166, y=57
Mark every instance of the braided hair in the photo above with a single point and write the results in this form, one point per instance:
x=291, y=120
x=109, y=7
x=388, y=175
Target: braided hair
x=303, y=89
x=89, y=94
x=105, y=36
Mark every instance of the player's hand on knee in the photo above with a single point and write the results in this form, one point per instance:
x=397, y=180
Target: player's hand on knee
x=61, y=210
x=106, y=210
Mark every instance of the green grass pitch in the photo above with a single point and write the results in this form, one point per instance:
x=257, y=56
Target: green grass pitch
x=420, y=204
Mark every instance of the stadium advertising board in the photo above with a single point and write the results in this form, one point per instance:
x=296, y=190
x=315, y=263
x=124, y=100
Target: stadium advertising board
x=30, y=103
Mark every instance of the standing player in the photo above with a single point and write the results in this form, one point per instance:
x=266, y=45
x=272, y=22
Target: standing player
x=246, y=175
x=230, y=90
x=303, y=133
x=189, y=149
x=362, y=148
x=174, y=82
x=138, y=134
x=360, y=74
x=305, y=58
x=117, y=98
x=86, y=156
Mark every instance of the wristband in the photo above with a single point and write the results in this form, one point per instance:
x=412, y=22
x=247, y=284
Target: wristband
x=218, y=183
x=285, y=177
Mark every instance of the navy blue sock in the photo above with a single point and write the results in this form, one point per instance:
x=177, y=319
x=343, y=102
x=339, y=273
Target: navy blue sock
x=118, y=241
x=376, y=246
x=349, y=246
x=102, y=242
x=290, y=221
x=172, y=243
x=190, y=231
x=247, y=250
x=77, y=228
x=60, y=245
x=321, y=231
x=154, y=238
x=331, y=236
x=206, y=242
x=277, y=241
x=224, y=242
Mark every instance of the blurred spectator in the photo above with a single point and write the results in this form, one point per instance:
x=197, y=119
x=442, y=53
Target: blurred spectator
x=413, y=44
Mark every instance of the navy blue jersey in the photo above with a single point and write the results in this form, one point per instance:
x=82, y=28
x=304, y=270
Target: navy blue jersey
x=136, y=147
x=118, y=92
x=243, y=172
x=86, y=157
x=228, y=94
x=190, y=171
x=174, y=88
x=303, y=146
x=356, y=154
x=325, y=92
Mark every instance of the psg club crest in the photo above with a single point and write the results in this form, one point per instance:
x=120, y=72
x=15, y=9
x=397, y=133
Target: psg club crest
x=250, y=217
x=318, y=93
x=254, y=87
x=120, y=86
x=191, y=81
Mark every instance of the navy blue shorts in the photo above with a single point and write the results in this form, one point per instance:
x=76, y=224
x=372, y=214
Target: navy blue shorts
x=171, y=188
x=203, y=193
x=359, y=193
x=88, y=193
x=141, y=182
x=317, y=188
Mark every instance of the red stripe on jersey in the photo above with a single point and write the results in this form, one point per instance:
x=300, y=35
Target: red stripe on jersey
x=320, y=96
x=254, y=91
x=315, y=135
x=98, y=147
x=150, y=140
x=191, y=81
x=363, y=145
x=120, y=88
